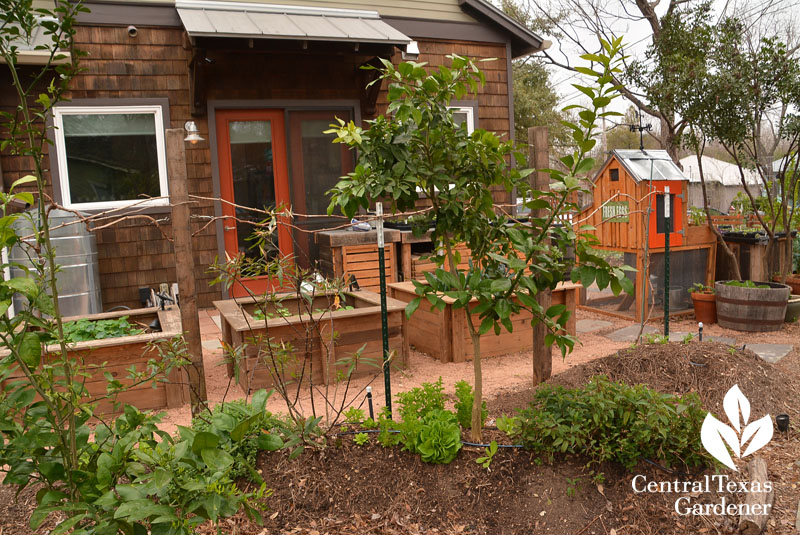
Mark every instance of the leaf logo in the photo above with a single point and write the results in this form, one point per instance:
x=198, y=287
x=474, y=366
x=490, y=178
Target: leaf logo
x=715, y=435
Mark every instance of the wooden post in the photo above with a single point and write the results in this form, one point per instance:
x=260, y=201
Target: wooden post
x=184, y=263
x=759, y=504
x=539, y=158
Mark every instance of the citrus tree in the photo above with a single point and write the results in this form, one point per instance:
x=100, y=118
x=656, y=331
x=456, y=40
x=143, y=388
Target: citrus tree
x=418, y=150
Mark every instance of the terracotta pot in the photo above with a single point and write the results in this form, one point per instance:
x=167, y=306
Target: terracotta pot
x=792, y=281
x=705, y=307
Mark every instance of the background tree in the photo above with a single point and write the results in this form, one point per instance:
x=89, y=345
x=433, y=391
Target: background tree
x=579, y=24
x=535, y=98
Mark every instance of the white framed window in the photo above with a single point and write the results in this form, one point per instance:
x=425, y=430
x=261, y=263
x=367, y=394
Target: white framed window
x=111, y=156
x=464, y=114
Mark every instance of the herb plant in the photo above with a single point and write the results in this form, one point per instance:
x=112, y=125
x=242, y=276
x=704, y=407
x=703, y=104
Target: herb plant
x=746, y=284
x=486, y=460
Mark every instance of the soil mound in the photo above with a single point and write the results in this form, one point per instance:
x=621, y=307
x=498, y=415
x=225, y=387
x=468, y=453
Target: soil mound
x=710, y=369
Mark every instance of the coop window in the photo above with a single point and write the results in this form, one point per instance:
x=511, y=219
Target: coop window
x=111, y=156
x=660, y=213
x=614, y=174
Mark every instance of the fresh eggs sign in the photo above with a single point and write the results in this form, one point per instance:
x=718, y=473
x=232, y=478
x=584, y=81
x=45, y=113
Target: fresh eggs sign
x=616, y=212
x=741, y=438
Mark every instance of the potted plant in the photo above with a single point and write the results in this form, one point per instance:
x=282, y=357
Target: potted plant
x=751, y=306
x=704, y=302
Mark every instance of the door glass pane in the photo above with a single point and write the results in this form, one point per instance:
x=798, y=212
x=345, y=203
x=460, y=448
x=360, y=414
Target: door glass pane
x=253, y=181
x=317, y=164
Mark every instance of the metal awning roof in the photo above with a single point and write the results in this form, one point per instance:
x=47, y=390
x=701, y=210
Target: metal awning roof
x=264, y=21
x=33, y=52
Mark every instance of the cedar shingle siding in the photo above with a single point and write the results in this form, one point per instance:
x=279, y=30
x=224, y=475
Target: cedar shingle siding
x=155, y=64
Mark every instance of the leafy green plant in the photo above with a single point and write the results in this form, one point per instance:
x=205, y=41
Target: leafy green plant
x=609, y=421
x=687, y=338
x=280, y=312
x=700, y=288
x=354, y=415
x=419, y=401
x=508, y=425
x=243, y=429
x=83, y=330
x=361, y=438
x=745, y=284
x=656, y=339
x=439, y=437
x=697, y=216
x=489, y=453
x=464, y=404
x=573, y=484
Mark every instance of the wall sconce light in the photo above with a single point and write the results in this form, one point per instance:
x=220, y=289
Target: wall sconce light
x=192, y=133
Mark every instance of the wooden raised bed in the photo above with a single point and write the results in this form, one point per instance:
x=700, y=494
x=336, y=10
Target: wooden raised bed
x=342, y=331
x=117, y=355
x=444, y=334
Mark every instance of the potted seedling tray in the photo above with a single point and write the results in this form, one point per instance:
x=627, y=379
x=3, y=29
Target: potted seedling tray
x=117, y=352
x=315, y=341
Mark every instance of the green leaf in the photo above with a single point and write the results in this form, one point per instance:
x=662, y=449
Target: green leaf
x=269, y=442
x=27, y=179
x=412, y=306
x=500, y=285
x=23, y=285
x=216, y=459
x=67, y=524
x=204, y=440
x=30, y=350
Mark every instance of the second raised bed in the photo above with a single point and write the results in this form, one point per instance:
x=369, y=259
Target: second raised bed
x=444, y=334
x=321, y=354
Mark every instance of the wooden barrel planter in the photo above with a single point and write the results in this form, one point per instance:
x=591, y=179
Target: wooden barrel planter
x=751, y=309
x=324, y=355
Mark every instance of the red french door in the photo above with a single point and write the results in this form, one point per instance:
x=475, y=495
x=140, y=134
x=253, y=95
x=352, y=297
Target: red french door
x=253, y=174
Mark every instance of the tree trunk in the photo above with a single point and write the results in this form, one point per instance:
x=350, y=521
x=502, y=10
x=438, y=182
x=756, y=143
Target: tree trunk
x=476, y=433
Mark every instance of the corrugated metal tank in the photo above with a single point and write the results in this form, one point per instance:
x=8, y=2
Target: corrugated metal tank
x=76, y=254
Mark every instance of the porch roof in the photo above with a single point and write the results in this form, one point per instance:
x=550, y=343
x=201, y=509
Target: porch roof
x=36, y=49
x=203, y=18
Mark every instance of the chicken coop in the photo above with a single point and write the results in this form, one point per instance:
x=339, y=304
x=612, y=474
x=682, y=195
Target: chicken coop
x=627, y=211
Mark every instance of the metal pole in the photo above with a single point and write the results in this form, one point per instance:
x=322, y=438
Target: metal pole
x=384, y=314
x=666, y=259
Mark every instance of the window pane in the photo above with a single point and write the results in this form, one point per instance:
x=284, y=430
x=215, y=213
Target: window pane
x=316, y=166
x=111, y=157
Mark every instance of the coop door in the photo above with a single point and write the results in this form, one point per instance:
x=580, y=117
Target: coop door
x=658, y=219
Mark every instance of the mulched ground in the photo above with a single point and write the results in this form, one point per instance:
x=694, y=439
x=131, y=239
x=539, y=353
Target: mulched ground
x=351, y=489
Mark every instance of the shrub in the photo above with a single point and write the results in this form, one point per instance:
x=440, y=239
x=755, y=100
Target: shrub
x=612, y=421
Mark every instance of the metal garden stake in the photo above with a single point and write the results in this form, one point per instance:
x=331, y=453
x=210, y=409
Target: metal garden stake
x=384, y=313
x=666, y=259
